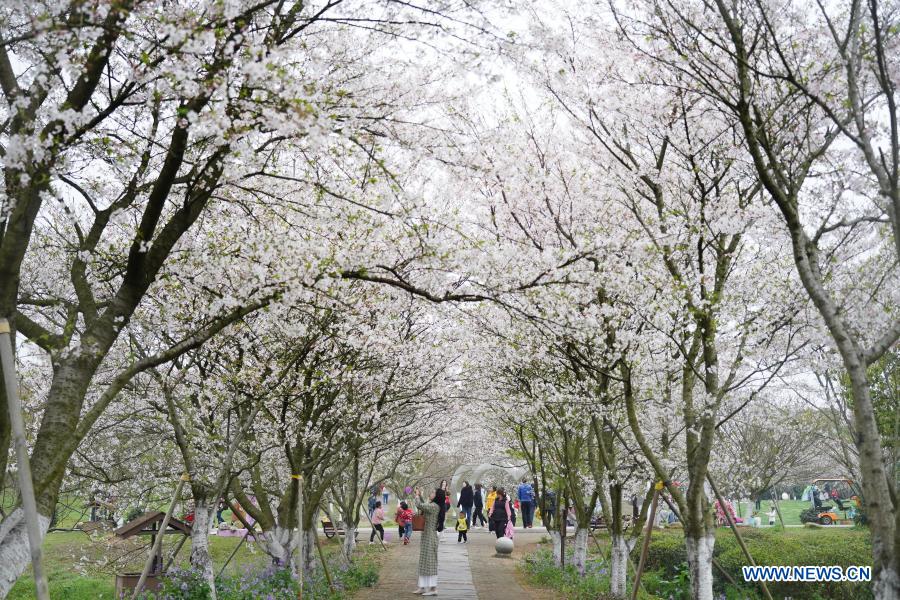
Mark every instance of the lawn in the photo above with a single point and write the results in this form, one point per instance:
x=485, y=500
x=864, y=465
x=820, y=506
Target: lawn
x=79, y=566
x=82, y=568
x=790, y=510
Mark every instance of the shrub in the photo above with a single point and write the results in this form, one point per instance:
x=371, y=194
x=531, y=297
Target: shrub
x=802, y=547
x=273, y=583
x=793, y=547
x=543, y=572
x=666, y=553
x=676, y=588
x=181, y=584
x=362, y=573
x=810, y=515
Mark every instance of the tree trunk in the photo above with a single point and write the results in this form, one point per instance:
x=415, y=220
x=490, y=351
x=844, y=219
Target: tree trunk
x=348, y=544
x=882, y=515
x=557, y=546
x=200, y=557
x=699, y=556
x=5, y=430
x=579, y=549
x=305, y=556
x=54, y=445
x=618, y=567
x=15, y=553
x=279, y=543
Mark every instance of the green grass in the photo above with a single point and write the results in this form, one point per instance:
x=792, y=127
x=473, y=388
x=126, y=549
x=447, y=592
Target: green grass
x=790, y=510
x=70, y=509
x=79, y=567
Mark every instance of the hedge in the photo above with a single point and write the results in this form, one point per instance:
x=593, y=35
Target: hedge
x=776, y=547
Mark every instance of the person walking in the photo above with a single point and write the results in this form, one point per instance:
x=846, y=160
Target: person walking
x=377, y=522
x=462, y=526
x=478, y=504
x=219, y=509
x=428, y=550
x=466, y=501
x=446, y=487
x=373, y=498
x=491, y=497
x=549, y=509
x=526, y=500
x=499, y=513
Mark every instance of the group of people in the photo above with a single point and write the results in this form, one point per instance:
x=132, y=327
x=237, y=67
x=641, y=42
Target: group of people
x=500, y=519
x=501, y=509
x=479, y=507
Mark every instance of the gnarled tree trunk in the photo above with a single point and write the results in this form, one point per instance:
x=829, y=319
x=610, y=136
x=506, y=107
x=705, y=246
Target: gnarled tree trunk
x=15, y=553
x=305, y=555
x=279, y=543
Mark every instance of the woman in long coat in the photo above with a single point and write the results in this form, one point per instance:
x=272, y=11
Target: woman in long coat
x=428, y=550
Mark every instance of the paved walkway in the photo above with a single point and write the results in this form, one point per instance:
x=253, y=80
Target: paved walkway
x=470, y=571
x=454, y=575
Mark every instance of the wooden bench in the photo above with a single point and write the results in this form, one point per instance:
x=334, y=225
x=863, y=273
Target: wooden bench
x=330, y=530
x=600, y=523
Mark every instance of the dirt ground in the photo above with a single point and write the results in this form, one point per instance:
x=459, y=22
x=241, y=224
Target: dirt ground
x=498, y=578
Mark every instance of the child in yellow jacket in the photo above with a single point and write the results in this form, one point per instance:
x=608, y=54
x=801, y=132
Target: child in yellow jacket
x=462, y=526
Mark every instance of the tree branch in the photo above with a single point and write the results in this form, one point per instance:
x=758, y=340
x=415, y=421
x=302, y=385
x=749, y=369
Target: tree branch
x=189, y=343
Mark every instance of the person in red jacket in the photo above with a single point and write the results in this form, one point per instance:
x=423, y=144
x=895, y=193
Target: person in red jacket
x=404, y=516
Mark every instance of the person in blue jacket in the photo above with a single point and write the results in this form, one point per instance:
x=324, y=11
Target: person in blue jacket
x=525, y=493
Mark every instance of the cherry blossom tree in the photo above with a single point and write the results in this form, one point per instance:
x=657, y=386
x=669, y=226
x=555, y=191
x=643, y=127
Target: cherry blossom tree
x=127, y=126
x=765, y=445
x=812, y=88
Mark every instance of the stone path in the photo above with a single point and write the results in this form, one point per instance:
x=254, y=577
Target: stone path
x=454, y=575
x=465, y=571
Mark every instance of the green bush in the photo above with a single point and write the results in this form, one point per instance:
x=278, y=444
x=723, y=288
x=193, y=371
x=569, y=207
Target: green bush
x=362, y=572
x=676, y=588
x=666, y=553
x=188, y=584
x=810, y=515
x=666, y=558
x=803, y=547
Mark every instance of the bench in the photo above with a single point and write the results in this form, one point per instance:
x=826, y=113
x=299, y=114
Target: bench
x=600, y=523
x=330, y=530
